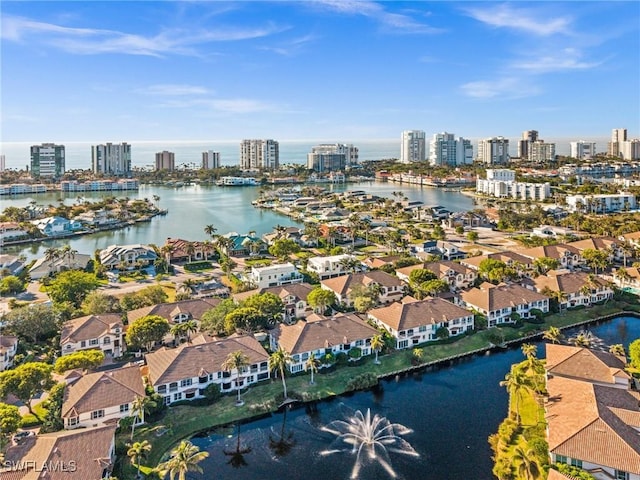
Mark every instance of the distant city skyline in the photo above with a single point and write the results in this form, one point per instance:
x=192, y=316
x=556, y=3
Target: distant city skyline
x=323, y=70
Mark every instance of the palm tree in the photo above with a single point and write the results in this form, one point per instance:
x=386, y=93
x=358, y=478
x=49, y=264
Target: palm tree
x=583, y=339
x=516, y=382
x=189, y=327
x=377, y=343
x=278, y=361
x=236, y=361
x=138, y=407
x=211, y=231
x=349, y=264
x=553, y=334
x=184, y=458
x=51, y=254
x=617, y=349
x=622, y=275
x=312, y=365
x=138, y=452
x=190, y=250
x=527, y=462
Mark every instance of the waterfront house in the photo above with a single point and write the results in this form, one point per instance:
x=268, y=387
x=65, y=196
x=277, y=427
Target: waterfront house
x=274, y=275
x=10, y=231
x=87, y=453
x=242, y=245
x=412, y=322
x=611, y=245
x=8, y=350
x=45, y=268
x=183, y=373
x=54, y=226
x=127, y=256
x=455, y=274
x=10, y=265
x=388, y=288
x=328, y=267
x=322, y=335
x=183, y=250
x=631, y=279
x=102, y=397
x=595, y=366
x=580, y=288
x=102, y=218
x=504, y=303
x=293, y=296
x=566, y=254
x=102, y=332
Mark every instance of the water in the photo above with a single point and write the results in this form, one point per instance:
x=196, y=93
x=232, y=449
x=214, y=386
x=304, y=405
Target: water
x=451, y=411
x=193, y=207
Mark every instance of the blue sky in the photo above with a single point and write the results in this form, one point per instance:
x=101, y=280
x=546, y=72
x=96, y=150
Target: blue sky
x=328, y=69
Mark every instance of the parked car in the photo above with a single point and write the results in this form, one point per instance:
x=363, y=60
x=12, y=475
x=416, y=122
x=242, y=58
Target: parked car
x=18, y=437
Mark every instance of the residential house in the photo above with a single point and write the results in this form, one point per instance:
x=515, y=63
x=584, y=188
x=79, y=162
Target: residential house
x=455, y=274
x=102, y=397
x=97, y=218
x=45, y=268
x=54, y=226
x=334, y=232
x=500, y=303
x=88, y=453
x=632, y=239
x=443, y=249
x=293, y=296
x=379, y=262
x=567, y=255
x=291, y=233
x=127, y=256
x=183, y=373
x=184, y=250
x=632, y=279
x=10, y=265
x=102, y=332
x=388, y=288
x=242, y=245
x=8, y=349
x=551, y=231
x=580, y=288
x=274, y=275
x=412, y=322
x=328, y=267
x=611, y=245
x=11, y=231
x=322, y=335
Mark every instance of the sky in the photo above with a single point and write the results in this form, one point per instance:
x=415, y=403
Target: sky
x=336, y=70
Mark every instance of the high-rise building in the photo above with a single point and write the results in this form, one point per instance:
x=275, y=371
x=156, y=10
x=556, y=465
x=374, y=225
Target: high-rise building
x=111, y=159
x=630, y=149
x=2, y=163
x=166, y=161
x=47, y=160
x=540, y=151
x=259, y=155
x=445, y=149
x=210, y=159
x=528, y=137
x=331, y=157
x=413, y=146
x=618, y=135
x=493, y=151
x=582, y=150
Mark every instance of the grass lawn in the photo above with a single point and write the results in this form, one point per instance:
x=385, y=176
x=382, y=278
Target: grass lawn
x=32, y=420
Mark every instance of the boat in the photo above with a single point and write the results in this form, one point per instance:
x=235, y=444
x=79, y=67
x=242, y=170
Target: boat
x=237, y=182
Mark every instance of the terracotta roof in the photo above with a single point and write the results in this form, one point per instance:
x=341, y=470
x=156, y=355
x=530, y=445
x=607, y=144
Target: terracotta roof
x=584, y=363
x=441, y=268
x=596, y=435
x=377, y=262
x=8, y=341
x=567, y=282
x=85, y=452
x=180, y=247
x=473, y=262
x=401, y=316
x=188, y=360
x=344, y=284
x=556, y=475
x=491, y=297
x=631, y=236
x=557, y=251
x=597, y=243
x=193, y=307
x=322, y=332
x=297, y=290
x=100, y=390
x=89, y=326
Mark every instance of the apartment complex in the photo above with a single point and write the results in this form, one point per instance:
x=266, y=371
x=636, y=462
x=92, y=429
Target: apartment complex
x=445, y=149
x=165, y=161
x=528, y=137
x=111, y=159
x=413, y=146
x=47, y=160
x=493, y=151
x=210, y=159
x=541, y=151
x=331, y=157
x=259, y=155
x=618, y=136
x=582, y=150
x=501, y=182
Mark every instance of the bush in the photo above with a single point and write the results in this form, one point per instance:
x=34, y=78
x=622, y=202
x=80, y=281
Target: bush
x=362, y=381
x=328, y=359
x=342, y=358
x=212, y=393
x=195, y=266
x=355, y=353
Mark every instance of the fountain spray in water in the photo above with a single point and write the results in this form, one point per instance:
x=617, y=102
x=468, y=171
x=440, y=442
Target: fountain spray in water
x=371, y=439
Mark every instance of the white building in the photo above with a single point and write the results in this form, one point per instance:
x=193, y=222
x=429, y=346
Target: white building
x=493, y=151
x=630, y=150
x=501, y=183
x=210, y=159
x=274, y=275
x=111, y=159
x=259, y=154
x=47, y=160
x=603, y=203
x=2, y=163
x=528, y=137
x=331, y=157
x=582, y=150
x=501, y=174
x=412, y=146
x=541, y=151
x=8, y=350
x=445, y=149
x=618, y=135
x=102, y=332
x=327, y=267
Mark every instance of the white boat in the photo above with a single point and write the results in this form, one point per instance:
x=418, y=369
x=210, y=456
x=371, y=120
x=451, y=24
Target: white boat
x=237, y=182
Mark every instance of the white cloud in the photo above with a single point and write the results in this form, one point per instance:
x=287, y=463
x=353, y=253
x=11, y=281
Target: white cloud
x=174, y=90
x=537, y=22
x=292, y=47
x=567, y=59
x=503, y=88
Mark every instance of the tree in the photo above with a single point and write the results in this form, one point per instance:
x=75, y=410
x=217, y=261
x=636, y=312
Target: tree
x=211, y=231
x=97, y=302
x=268, y=304
x=421, y=275
x=72, y=286
x=433, y=287
x=83, y=359
x=184, y=458
x=184, y=329
x=26, y=381
x=527, y=463
x=212, y=321
x=11, y=285
x=237, y=361
x=349, y=264
x=283, y=247
x=312, y=365
x=137, y=453
x=583, y=339
x=35, y=322
x=278, y=361
x=516, y=381
x=553, y=334
x=139, y=406
x=617, y=349
x=543, y=264
x=52, y=421
x=146, y=297
x=244, y=319
x=473, y=236
x=10, y=419
x=146, y=331
x=595, y=258
x=320, y=299
x=634, y=353
x=377, y=343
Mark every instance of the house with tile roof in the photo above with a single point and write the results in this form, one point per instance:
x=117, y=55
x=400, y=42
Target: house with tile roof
x=379, y=262
x=44, y=267
x=183, y=250
x=104, y=332
x=293, y=296
x=580, y=288
x=389, y=287
x=321, y=335
x=127, y=256
x=499, y=302
x=566, y=254
x=328, y=267
x=183, y=373
x=632, y=279
x=455, y=274
x=8, y=350
x=516, y=260
x=611, y=245
x=83, y=454
x=632, y=238
x=102, y=397
x=414, y=322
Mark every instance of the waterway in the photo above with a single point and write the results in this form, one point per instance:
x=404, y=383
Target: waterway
x=192, y=207
x=451, y=409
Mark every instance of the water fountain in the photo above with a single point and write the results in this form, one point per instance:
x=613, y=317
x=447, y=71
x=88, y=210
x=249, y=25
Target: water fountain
x=371, y=439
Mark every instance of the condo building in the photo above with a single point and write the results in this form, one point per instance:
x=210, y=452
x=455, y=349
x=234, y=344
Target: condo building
x=493, y=151
x=210, y=159
x=2, y=163
x=541, y=151
x=445, y=149
x=47, y=160
x=501, y=183
x=259, y=155
x=618, y=135
x=111, y=159
x=582, y=150
x=165, y=161
x=331, y=157
x=413, y=146
x=528, y=137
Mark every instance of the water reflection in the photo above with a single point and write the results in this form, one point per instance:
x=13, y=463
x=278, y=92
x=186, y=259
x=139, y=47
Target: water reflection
x=281, y=443
x=237, y=459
